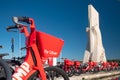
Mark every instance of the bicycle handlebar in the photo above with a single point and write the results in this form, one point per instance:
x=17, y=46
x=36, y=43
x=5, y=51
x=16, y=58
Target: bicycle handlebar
x=21, y=26
x=10, y=28
x=21, y=19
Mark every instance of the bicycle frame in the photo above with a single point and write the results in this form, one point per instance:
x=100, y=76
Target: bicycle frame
x=34, y=60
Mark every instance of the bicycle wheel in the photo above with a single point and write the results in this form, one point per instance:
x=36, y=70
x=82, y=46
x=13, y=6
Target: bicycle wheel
x=5, y=73
x=52, y=73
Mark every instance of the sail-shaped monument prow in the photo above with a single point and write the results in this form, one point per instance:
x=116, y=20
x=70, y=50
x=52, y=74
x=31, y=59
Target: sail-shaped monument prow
x=95, y=50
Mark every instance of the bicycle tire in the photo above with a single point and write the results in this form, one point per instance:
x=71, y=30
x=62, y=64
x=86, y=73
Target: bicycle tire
x=55, y=70
x=5, y=73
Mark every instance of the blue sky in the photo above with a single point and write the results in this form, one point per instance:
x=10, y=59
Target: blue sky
x=66, y=19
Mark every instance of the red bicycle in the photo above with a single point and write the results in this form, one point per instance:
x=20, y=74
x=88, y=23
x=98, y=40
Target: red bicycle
x=102, y=66
x=68, y=67
x=39, y=47
x=88, y=67
x=116, y=65
x=77, y=68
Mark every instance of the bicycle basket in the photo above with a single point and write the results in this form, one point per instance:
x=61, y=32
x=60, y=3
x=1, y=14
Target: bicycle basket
x=48, y=45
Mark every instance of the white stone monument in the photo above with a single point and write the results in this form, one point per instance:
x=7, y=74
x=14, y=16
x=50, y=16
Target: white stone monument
x=95, y=50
